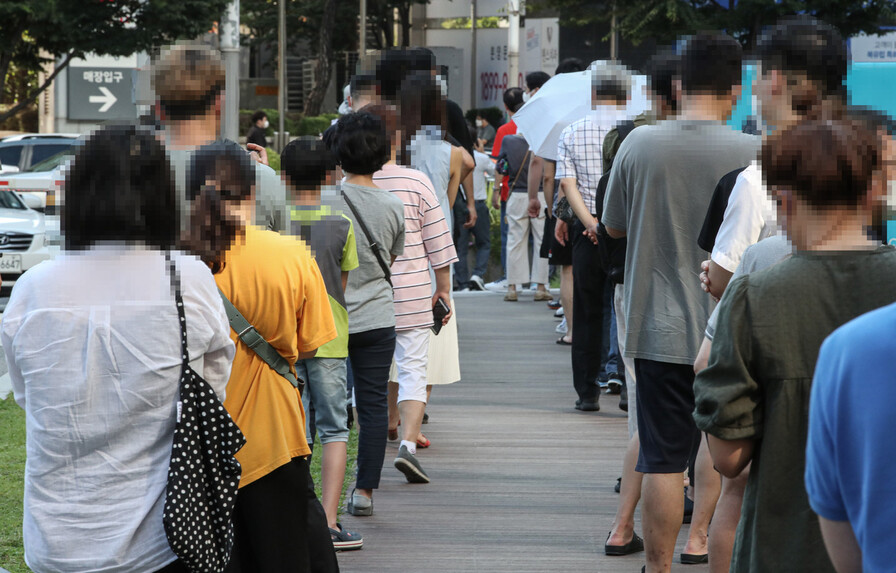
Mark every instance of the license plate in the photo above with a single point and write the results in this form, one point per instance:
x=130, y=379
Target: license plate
x=10, y=263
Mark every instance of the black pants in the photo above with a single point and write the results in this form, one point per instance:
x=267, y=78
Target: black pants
x=369, y=360
x=279, y=525
x=589, y=281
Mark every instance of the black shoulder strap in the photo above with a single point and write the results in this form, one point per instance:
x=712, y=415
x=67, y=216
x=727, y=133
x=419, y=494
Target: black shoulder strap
x=387, y=272
x=624, y=128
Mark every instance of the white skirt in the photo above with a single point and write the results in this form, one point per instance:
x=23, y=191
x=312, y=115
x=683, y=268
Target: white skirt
x=443, y=364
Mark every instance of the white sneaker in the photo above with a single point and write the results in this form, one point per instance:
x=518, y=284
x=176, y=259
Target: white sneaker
x=497, y=286
x=561, y=328
x=477, y=282
x=560, y=314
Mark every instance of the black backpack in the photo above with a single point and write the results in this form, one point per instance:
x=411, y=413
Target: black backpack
x=611, y=251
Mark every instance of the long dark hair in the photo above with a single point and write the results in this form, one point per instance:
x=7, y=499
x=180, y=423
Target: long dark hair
x=421, y=104
x=120, y=188
x=218, y=172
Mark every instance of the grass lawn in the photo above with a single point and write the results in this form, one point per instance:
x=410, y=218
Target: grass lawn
x=12, y=471
x=12, y=484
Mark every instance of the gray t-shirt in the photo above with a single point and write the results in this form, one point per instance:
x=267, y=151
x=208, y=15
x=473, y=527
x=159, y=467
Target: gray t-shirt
x=766, y=253
x=660, y=186
x=515, y=149
x=271, y=209
x=368, y=297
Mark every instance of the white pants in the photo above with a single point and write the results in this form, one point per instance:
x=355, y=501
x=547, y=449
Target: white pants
x=520, y=225
x=627, y=361
x=411, y=356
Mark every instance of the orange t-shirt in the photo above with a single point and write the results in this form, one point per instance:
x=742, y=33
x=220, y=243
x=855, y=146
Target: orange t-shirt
x=273, y=281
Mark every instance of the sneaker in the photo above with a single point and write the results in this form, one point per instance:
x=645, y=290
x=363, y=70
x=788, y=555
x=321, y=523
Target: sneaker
x=554, y=304
x=561, y=328
x=604, y=385
x=511, y=296
x=465, y=289
x=614, y=384
x=344, y=540
x=559, y=313
x=359, y=504
x=623, y=398
x=407, y=463
x=587, y=406
x=476, y=283
x=497, y=286
x=542, y=295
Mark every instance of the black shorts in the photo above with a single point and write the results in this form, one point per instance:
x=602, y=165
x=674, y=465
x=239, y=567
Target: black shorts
x=560, y=254
x=669, y=436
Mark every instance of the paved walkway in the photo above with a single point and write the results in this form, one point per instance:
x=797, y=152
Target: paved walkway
x=521, y=481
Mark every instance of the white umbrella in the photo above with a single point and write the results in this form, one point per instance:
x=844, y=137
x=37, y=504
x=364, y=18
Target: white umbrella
x=563, y=99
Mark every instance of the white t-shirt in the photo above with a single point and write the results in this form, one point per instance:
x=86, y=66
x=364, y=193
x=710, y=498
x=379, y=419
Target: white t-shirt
x=483, y=165
x=749, y=218
x=92, y=340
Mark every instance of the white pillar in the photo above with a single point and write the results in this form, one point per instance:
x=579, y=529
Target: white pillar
x=362, y=43
x=513, y=43
x=230, y=53
x=473, y=56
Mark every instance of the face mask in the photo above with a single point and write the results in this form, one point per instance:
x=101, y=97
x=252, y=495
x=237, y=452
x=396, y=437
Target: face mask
x=443, y=85
x=525, y=97
x=267, y=124
x=480, y=123
x=607, y=116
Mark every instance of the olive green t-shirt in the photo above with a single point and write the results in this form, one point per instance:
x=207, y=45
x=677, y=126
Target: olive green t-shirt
x=757, y=385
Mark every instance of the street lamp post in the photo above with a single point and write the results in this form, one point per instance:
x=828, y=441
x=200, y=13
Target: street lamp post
x=230, y=53
x=281, y=75
x=513, y=43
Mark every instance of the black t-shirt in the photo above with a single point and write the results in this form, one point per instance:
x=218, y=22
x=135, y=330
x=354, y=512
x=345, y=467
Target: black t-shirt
x=716, y=212
x=256, y=136
x=457, y=126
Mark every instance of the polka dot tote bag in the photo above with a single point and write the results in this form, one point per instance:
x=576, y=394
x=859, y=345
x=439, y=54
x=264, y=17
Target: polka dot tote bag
x=204, y=473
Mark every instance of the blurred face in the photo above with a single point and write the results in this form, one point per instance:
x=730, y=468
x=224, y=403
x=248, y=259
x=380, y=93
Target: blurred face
x=769, y=88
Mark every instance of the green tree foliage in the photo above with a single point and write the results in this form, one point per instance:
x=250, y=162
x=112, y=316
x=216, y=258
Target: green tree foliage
x=34, y=29
x=666, y=20
x=303, y=24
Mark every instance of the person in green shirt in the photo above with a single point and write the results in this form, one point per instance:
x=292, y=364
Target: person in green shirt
x=317, y=217
x=753, y=398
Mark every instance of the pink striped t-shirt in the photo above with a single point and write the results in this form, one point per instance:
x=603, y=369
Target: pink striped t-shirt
x=427, y=242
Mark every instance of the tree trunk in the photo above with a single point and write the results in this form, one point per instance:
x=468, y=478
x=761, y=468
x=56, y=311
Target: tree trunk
x=324, y=61
x=32, y=96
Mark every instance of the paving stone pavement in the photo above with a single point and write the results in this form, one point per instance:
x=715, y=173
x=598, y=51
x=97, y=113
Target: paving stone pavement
x=521, y=481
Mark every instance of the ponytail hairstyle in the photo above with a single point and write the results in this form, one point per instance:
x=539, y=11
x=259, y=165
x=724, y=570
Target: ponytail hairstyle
x=219, y=172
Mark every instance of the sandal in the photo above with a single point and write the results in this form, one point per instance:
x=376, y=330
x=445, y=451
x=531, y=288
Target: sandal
x=634, y=546
x=563, y=342
x=424, y=443
x=393, y=435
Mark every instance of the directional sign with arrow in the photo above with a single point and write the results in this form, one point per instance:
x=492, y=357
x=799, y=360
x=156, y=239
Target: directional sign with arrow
x=107, y=98
x=100, y=94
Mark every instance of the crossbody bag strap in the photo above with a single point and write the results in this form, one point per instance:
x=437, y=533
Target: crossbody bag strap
x=387, y=272
x=520, y=170
x=254, y=340
x=174, y=277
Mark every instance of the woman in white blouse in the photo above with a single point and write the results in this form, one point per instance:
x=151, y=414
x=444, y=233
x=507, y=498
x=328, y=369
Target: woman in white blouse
x=93, y=346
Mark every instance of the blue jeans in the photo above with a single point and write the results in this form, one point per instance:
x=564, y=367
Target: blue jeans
x=326, y=392
x=504, y=228
x=612, y=362
x=480, y=232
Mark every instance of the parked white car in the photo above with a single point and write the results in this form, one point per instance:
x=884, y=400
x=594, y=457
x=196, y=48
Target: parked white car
x=23, y=235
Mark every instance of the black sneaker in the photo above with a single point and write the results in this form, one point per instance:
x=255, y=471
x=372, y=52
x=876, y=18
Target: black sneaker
x=623, y=398
x=407, y=463
x=587, y=406
x=554, y=304
x=344, y=540
x=614, y=383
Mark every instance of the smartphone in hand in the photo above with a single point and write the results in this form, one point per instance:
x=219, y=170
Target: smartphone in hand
x=439, y=311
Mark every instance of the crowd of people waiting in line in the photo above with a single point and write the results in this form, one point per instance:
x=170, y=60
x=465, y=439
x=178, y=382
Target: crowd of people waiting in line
x=334, y=279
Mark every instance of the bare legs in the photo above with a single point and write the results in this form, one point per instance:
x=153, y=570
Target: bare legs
x=332, y=476
x=724, y=524
x=629, y=495
x=662, y=510
x=411, y=412
x=566, y=297
x=706, y=494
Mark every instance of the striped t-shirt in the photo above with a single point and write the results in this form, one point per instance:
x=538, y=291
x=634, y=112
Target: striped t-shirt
x=427, y=242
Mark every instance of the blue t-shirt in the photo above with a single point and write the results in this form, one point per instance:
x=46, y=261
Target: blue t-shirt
x=851, y=452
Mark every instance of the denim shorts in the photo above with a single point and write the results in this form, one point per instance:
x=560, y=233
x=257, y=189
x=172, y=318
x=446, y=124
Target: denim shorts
x=325, y=392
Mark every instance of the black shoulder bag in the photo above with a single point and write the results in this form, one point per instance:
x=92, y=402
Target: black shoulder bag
x=387, y=272
x=203, y=475
x=611, y=251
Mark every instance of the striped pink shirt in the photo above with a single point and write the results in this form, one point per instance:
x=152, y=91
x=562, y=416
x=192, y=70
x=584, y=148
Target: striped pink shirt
x=427, y=242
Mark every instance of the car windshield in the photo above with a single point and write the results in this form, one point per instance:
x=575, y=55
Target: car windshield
x=51, y=162
x=9, y=200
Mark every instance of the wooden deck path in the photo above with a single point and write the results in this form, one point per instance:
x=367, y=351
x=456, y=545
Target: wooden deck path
x=521, y=482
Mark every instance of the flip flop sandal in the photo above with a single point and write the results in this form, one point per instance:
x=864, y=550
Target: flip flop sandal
x=424, y=443
x=562, y=341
